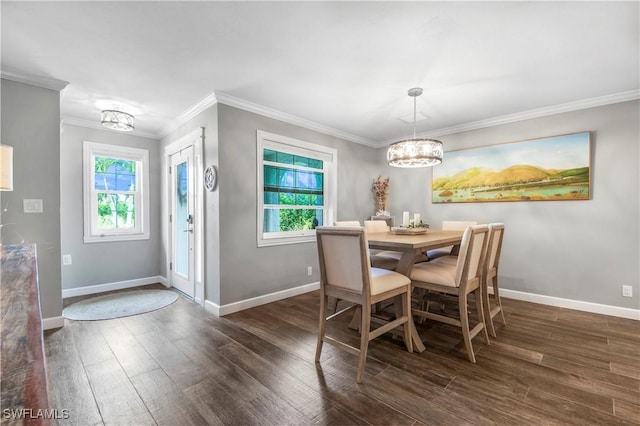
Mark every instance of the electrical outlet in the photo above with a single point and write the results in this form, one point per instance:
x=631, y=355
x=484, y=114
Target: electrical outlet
x=32, y=206
x=309, y=270
x=627, y=291
x=66, y=259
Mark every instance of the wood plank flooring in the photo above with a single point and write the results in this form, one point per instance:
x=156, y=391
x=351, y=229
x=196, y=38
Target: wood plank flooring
x=182, y=366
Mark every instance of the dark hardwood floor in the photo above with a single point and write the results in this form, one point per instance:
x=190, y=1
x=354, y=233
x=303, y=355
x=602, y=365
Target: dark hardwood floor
x=180, y=365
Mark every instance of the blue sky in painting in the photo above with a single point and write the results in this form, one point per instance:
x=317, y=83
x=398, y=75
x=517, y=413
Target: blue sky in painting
x=558, y=152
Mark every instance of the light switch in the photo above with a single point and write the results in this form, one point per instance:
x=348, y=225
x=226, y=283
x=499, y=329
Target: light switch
x=32, y=205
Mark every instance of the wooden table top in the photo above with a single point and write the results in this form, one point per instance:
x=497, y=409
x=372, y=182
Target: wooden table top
x=432, y=239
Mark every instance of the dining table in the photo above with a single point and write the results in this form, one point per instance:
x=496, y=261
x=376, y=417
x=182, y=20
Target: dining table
x=411, y=245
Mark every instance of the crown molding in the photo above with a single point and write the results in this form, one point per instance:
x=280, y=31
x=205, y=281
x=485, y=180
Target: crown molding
x=189, y=114
x=290, y=118
x=34, y=80
x=90, y=124
x=221, y=97
x=615, y=98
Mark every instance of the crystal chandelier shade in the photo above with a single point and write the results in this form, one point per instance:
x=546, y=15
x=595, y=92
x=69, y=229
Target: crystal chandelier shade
x=117, y=120
x=415, y=152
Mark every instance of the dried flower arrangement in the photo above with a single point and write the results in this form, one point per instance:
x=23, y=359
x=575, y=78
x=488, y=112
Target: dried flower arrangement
x=381, y=190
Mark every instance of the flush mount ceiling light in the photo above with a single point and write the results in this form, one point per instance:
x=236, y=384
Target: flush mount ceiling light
x=117, y=120
x=415, y=152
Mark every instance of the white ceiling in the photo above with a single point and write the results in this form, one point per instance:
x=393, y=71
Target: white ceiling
x=343, y=66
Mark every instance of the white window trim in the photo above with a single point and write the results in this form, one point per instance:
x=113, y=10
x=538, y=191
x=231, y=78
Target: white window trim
x=91, y=233
x=307, y=149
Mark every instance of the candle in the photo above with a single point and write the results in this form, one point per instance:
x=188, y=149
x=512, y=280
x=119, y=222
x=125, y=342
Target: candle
x=405, y=219
x=416, y=219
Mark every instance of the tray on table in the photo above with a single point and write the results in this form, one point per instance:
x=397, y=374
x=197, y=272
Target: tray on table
x=408, y=231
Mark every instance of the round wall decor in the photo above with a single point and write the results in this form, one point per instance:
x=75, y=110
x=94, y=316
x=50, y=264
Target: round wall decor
x=210, y=178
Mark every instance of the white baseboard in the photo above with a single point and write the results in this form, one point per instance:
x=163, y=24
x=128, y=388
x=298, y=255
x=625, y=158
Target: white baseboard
x=52, y=322
x=119, y=285
x=230, y=308
x=212, y=308
x=596, y=308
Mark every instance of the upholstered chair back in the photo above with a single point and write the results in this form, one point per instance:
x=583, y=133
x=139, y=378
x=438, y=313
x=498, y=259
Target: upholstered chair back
x=344, y=257
x=496, y=233
x=376, y=226
x=471, y=255
x=351, y=223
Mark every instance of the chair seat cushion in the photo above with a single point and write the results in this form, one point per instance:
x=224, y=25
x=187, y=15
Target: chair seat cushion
x=383, y=262
x=438, y=271
x=435, y=253
x=448, y=260
x=383, y=280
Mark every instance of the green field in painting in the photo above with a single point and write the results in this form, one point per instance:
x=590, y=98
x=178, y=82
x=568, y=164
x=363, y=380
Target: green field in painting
x=515, y=183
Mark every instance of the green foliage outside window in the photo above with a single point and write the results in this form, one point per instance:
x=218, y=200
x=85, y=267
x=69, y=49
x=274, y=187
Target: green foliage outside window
x=115, y=179
x=297, y=219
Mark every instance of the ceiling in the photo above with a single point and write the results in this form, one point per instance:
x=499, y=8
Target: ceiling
x=343, y=67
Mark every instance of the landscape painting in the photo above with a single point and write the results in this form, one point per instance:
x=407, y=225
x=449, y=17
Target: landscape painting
x=548, y=169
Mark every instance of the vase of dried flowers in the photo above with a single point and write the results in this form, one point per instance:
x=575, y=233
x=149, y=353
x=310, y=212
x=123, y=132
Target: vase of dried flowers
x=381, y=190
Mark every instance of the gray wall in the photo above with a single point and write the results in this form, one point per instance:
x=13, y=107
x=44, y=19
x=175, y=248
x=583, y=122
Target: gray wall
x=108, y=262
x=246, y=270
x=31, y=124
x=209, y=120
x=579, y=250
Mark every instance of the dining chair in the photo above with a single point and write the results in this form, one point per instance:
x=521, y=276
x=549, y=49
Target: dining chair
x=385, y=259
x=346, y=273
x=347, y=223
x=458, y=276
x=333, y=302
x=494, y=248
x=450, y=225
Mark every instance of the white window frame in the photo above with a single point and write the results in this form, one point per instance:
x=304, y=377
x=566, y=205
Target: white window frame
x=329, y=157
x=92, y=234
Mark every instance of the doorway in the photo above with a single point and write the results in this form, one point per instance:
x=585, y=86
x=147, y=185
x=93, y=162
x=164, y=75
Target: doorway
x=183, y=217
x=181, y=220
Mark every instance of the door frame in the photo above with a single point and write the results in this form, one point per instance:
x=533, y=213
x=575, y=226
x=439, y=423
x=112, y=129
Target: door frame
x=195, y=139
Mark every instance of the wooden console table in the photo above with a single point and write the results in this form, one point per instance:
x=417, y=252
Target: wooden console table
x=23, y=377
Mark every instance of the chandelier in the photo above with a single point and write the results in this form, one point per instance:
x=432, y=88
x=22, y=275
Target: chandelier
x=415, y=152
x=117, y=120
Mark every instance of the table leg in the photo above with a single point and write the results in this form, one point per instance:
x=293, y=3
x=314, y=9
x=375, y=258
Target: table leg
x=418, y=346
x=356, y=320
x=405, y=265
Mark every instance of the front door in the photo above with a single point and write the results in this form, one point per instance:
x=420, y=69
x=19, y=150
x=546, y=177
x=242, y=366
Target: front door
x=182, y=221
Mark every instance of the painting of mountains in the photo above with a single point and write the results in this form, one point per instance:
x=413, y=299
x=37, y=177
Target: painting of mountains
x=548, y=169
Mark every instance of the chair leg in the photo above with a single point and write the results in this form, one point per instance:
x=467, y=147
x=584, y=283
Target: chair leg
x=464, y=324
x=487, y=315
x=322, y=324
x=481, y=313
x=486, y=305
x=356, y=319
x=496, y=294
x=364, y=341
x=406, y=312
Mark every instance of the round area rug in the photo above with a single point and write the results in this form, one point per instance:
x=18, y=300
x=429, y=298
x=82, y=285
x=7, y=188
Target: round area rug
x=116, y=305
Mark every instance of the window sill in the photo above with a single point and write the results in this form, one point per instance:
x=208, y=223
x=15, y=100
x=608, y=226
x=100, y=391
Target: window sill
x=286, y=240
x=111, y=238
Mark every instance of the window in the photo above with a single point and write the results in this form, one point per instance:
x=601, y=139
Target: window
x=296, y=189
x=116, y=193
